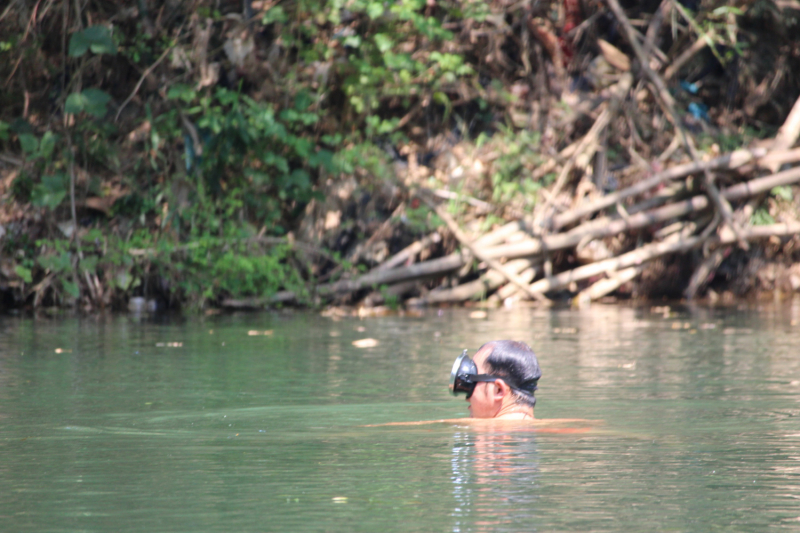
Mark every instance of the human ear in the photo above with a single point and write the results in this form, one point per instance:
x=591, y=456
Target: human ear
x=501, y=389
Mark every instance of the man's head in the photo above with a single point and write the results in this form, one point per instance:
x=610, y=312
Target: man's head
x=507, y=373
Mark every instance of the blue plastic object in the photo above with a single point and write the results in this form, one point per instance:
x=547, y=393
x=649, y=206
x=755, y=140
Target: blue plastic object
x=699, y=111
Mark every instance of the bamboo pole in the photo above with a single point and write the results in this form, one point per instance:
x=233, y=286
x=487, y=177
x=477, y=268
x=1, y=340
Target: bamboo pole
x=655, y=250
x=640, y=220
x=480, y=254
x=729, y=161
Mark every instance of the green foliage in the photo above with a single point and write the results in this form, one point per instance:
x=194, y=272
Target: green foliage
x=95, y=38
x=784, y=192
x=421, y=219
x=519, y=156
x=761, y=217
x=93, y=101
x=51, y=191
x=24, y=273
x=4, y=131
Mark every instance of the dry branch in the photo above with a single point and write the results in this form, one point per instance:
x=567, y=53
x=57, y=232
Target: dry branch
x=790, y=130
x=407, y=253
x=480, y=287
x=640, y=220
x=655, y=250
x=480, y=254
x=729, y=161
x=668, y=104
x=606, y=286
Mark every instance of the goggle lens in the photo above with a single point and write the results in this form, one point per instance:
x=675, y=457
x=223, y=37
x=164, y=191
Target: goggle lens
x=463, y=368
x=464, y=375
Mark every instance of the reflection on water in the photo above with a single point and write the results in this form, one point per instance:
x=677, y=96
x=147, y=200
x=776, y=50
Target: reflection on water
x=194, y=425
x=494, y=480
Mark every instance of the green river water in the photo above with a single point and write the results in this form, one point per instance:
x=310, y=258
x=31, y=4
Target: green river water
x=196, y=425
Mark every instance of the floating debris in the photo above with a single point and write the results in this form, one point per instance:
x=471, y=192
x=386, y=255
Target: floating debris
x=366, y=343
x=169, y=344
x=255, y=333
x=63, y=350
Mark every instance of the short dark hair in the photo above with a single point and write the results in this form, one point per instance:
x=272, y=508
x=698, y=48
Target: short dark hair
x=515, y=360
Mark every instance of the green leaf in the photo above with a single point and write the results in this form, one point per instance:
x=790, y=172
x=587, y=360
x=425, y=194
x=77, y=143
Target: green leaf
x=761, y=217
x=74, y=104
x=375, y=10
x=93, y=101
x=95, y=38
x=183, y=92
x=4, y=127
x=275, y=14
x=353, y=41
x=28, y=142
x=71, y=288
x=50, y=192
x=96, y=102
x=383, y=42
x=724, y=10
x=784, y=192
x=24, y=273
x=47, y=145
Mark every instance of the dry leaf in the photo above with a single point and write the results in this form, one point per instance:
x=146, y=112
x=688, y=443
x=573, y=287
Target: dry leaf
x=614, y=56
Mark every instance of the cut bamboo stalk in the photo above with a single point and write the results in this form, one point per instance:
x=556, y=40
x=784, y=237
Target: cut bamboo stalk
x=408, y=252
x=655, y=250
x=640, y=220
x=480, y=254
x=731, y=161
x=790, y=130
x=478, y=288
x=606, y=286
x=425, y=269
x=510, y=291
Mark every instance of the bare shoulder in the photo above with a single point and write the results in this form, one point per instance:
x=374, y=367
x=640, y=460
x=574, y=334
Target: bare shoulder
x=543, y=424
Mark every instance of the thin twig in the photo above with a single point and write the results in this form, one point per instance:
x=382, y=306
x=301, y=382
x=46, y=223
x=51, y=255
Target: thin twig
x=141, y=80
x=668, y=104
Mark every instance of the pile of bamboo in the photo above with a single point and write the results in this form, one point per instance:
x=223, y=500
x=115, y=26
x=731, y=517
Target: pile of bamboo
x=671, y=211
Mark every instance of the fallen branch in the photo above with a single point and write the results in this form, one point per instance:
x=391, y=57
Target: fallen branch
x=729, y=161
x=684, y=58
x=606, y=286
x=480, y=254
x=668, y=104
x=697, y=203
x=588, y=144
x=790, y=131
x=409, y=252
x=142, y=78
x=701, y=274
x=478, y=288
x=655, y=250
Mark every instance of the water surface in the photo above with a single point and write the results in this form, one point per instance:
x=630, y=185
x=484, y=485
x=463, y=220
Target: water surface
x=215, y=424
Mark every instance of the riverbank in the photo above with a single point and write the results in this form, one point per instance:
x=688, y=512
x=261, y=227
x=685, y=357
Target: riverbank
x=422, y=155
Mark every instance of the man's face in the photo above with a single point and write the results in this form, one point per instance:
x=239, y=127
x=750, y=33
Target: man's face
x=483, y=403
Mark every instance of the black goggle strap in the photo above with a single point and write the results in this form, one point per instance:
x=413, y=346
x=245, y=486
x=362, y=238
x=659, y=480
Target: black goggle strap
x=475, y=378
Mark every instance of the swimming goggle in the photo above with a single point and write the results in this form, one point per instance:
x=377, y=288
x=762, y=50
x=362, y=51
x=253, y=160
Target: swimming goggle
x=464, y=376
